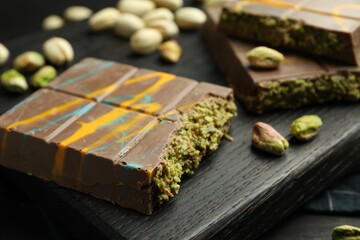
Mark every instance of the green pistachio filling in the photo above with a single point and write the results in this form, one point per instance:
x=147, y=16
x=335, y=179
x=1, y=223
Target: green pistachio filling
x=200, y=132
x=281, y=32
x=298, y=92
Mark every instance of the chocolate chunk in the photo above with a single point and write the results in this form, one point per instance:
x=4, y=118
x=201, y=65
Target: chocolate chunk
x=97, y=129
x=331, y=29
x=299, y=81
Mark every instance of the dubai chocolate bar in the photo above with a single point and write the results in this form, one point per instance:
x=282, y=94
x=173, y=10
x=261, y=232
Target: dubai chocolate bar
x=119, y=133
x=299, y=80
x=323, y=28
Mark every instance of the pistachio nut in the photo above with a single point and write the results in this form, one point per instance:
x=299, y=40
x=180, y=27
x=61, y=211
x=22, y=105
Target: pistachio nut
x=146, y=41
x=169, y=4
x=104, y=19
x=264, y=57
x=77, y=13
x=43, y=76
x=266, y=138
x=127, y=24
x=168, y=28
x=4, y=54
x=306, y=127
x=137, y=7
x=13, y=81
x=158, y=14
x=58, y=51
x=52, y=22
x=189, y=18
x=346, y=232
x=170, y=51
x=29, y=61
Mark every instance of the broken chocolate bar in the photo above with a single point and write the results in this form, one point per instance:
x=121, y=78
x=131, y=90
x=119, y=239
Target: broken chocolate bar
x=119, y=133
x=299, y=81
x=322, y=28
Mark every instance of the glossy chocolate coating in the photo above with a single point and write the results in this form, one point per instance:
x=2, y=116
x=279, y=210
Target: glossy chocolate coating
x=331, y=20
x=244, y=79
x=97, y=129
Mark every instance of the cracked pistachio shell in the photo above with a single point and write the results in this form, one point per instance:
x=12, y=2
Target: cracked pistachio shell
x=77, y=13
x=43, y=76
x=146, y=41
x=169, y=4
x=29, y=61
x=58, y=51
x=266, y=138
x=190, y=18
x=170, y=51
x=136, y=7
x=264, y=57
x=53, y=22
x=158, y=14
x=4, y=54
x=346, y=232
x=13, y=81
x=127, y=24
x=306, y=127
x=168, y=28
x=104, y=19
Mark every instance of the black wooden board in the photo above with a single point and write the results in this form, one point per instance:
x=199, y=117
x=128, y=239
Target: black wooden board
x=237, y=193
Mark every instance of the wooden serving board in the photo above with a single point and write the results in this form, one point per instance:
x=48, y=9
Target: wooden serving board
x=237, y=193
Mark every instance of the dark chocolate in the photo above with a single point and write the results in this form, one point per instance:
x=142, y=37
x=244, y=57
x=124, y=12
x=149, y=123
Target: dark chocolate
x=299, y=81
x=97, y=129
x=330, y=28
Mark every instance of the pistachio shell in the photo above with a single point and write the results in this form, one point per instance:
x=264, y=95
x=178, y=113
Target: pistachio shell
x=168, y=29
x=213, y=3
x=52, y=22
x=137, y=7
x=158, y=14
x=170, y=4
x=29, y=61
x=104, y=19
x=58, y=51
x=77, y=13
x=146, y=41
x=4, y=54
x=264, y=57
x=190, y=18
x=127, y=24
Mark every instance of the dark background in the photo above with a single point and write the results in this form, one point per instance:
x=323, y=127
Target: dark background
x=21, y=218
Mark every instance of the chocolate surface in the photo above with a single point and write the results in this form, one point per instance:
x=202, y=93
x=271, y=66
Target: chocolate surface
x=96, y=129
x=330, y=28
x=248, y=83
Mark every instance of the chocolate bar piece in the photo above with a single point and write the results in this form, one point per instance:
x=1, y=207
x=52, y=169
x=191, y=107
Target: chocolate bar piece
x=299, y=81
x=119, y=133
x=322, y=28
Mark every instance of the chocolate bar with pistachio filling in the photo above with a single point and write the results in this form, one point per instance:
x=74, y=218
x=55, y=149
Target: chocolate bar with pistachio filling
x=323, y=28
x=299, y=81
x=119, y=133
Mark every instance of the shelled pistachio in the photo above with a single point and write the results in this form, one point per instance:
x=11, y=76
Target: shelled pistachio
x=306, y=127
x=29, y=61
x=170, y=51
x=265, y=58
x=43, y=76
x=13, y=81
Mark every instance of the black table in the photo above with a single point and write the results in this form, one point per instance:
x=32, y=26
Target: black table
x=34, y=224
